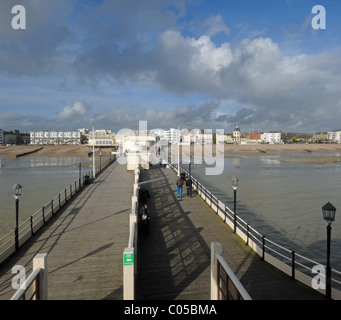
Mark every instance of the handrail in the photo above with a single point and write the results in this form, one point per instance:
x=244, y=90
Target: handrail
x=20, y=293
x=39, y=277
x=240, y=288
x=224, y=283
x=258, y=240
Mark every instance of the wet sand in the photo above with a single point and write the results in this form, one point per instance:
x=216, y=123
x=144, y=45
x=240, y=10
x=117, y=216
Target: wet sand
x=81, y=150
x=316, y=150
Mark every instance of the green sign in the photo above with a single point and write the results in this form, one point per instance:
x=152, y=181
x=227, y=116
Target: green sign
x=128, y=259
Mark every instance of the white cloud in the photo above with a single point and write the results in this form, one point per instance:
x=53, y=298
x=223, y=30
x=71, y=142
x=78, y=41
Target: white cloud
x=214, y=25
x=136, y=44
x=77, y=110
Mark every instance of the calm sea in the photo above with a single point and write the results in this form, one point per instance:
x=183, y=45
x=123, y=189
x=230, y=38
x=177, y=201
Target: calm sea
x=282, y=200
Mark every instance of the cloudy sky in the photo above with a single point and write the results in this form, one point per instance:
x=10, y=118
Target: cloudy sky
x=209, y=64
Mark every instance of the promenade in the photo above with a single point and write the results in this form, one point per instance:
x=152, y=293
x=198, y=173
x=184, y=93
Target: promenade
x=84, y=242
x=86, y=239
x=174, y=261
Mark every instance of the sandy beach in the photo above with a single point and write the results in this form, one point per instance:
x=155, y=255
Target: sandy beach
x=81, y=150
x=316, y=150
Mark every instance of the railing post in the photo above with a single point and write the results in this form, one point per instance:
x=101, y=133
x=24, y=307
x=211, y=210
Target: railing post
x=263, y=248
x=65, y=196
x=31, y=221
x=216, y=248
x=52, y=207
x=43, y=210
x=59, y=200
x=40, y=261
x=247, y=234
x=128, y=274
x=293, y=265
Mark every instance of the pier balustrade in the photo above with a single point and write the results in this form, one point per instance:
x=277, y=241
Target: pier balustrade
x=297, y=266
x=130, y=253
x=31, y=225
x=35, y=286
x=224, y=283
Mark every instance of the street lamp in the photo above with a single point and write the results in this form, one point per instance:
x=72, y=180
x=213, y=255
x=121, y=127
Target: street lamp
x=235, y=187
x=100, y=159
x=17, y=193
x=328, y=212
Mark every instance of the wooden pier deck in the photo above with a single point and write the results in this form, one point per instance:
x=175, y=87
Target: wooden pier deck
x=84, y=242
x=86, y=239
x=174, y=261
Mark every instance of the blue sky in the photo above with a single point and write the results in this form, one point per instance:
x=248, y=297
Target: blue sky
x=174, y=63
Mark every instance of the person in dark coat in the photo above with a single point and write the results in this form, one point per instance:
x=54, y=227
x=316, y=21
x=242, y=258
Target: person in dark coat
x=189, y=186
x=144, y=220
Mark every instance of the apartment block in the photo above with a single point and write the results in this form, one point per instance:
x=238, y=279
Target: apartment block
x=55, y=137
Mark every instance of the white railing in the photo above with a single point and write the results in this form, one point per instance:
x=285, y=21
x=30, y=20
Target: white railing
x=130, y=253
x=35, y=286
x=224, y=283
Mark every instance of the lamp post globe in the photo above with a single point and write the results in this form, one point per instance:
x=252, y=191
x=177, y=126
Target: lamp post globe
x=17, y=190
x=328, y=212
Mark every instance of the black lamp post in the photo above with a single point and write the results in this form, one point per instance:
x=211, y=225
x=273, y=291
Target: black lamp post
x=100, y=160
x=328, y=212
x=235, y=187
x=17, y=193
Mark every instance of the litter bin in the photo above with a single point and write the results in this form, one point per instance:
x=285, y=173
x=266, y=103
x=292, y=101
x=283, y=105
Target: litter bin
x=87, y=179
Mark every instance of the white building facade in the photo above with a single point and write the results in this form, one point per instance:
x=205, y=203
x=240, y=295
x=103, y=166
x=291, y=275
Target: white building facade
x=102, y=138
x=271, y=137
x=335, y=136
x=172, y=136
x=55, y=137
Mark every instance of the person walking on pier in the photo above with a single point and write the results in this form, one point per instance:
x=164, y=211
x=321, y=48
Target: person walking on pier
x=189, y=186
x=179, y=184
x=144, y=220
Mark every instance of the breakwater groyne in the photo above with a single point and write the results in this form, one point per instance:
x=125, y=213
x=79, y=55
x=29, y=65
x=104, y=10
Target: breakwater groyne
x=27, y=152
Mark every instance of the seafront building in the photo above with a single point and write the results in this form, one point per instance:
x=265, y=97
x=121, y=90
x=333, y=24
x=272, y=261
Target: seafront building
x=55, y=137
x=334, y=136
x=1, y=136
x=14, y=137
x=172, y=136
x=319, y=137
x=102, y=138
x=271, y=137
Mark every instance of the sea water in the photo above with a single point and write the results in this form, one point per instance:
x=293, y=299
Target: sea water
x=41, y=178
x=282, y=200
